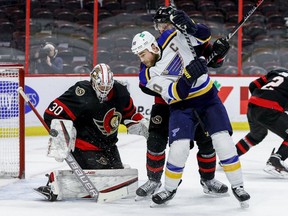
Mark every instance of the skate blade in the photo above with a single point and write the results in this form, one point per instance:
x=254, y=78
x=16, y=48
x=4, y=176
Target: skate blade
x=142, y=198
x=40, y=193
x=213, y=194
x=155, y=205
x=149, y=195
x=272, y=171
x=244, y=204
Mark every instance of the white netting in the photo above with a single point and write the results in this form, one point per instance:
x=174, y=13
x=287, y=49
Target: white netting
x=9, y=122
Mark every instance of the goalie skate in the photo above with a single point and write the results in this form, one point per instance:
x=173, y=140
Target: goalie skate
x=46, y=192
x=242, y=196
x=147, y=189
x=276, y=167
x=51, y=190
x=214, y=187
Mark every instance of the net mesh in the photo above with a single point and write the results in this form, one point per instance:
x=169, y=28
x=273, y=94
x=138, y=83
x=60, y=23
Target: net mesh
x=9, y=122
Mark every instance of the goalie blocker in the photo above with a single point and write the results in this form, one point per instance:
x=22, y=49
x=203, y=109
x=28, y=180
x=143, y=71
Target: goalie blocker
x=112, y=184
x=62, y=139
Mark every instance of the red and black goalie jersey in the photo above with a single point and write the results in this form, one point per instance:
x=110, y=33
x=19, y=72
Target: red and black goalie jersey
x=96, y=123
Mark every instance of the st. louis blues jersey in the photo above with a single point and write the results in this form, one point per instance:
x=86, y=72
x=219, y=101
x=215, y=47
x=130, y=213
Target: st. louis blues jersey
x=175, y=55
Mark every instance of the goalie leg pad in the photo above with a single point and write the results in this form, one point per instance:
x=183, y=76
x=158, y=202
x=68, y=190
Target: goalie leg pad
x=53, y=182
x=104, y=180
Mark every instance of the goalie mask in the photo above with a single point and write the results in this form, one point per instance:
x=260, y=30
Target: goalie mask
x=142, y=41
x=102, y=81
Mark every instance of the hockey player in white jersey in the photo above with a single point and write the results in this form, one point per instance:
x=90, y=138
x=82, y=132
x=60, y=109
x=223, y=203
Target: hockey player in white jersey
x=183, y=82
x=159, y=117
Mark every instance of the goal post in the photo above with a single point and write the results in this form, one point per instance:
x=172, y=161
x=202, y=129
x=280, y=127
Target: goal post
x=12, y=121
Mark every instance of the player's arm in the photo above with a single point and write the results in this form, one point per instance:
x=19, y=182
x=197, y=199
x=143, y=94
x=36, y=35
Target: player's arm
x=220, y=46
x=57, y=66
x=183, y=22
x=257, y=83
x=192, y=72
x=147, y=90
x=134, y=121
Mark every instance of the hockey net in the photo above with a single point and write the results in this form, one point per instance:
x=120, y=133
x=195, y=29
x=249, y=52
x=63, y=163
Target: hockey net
x=12, y=157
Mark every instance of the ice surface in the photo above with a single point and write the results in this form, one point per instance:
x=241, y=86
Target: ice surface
x=269, y=195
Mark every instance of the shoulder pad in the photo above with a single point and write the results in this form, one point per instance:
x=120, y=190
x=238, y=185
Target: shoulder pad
x=203, y=33
x=165, y=36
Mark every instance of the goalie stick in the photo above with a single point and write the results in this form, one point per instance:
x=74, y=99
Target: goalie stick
x=109, y=194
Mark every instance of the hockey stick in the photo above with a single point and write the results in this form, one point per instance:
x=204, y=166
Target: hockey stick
x=229, y=36
x=239, y=25
x=184, y=32
x=194, y=55
x=109, y=194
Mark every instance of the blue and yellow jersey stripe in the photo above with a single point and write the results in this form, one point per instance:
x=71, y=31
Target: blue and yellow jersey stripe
x=193, y=93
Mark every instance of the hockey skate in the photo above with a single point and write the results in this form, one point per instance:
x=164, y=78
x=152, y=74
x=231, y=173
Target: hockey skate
x=162, y=198
x=214, y=187
x=147, y=189
x=276, y=167
x=51, y=190
x=242, y=196
x=46, y=192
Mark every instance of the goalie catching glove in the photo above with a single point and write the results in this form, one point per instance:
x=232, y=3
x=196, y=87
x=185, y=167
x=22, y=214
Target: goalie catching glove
x=62, y=139
x=137, y=127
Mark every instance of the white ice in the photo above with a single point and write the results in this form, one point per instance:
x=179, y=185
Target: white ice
x=269, y=195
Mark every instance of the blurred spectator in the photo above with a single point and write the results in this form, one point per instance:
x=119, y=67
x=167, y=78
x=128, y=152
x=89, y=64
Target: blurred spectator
x=82, y=69
x=47, y=60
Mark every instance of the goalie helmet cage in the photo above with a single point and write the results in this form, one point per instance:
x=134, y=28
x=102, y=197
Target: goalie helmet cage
x=12, y=125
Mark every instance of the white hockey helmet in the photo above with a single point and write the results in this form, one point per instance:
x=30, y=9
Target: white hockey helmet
x=102, y=80
x=142, y=41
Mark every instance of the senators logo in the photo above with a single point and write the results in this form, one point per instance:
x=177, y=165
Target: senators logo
x=157, y=119
x=110, y=122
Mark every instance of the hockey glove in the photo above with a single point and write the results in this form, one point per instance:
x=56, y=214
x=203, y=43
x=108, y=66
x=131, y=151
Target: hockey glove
x=61, y=142
x=194, y=70
x=183, y=22
x=221, y=48
x=137, y=127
